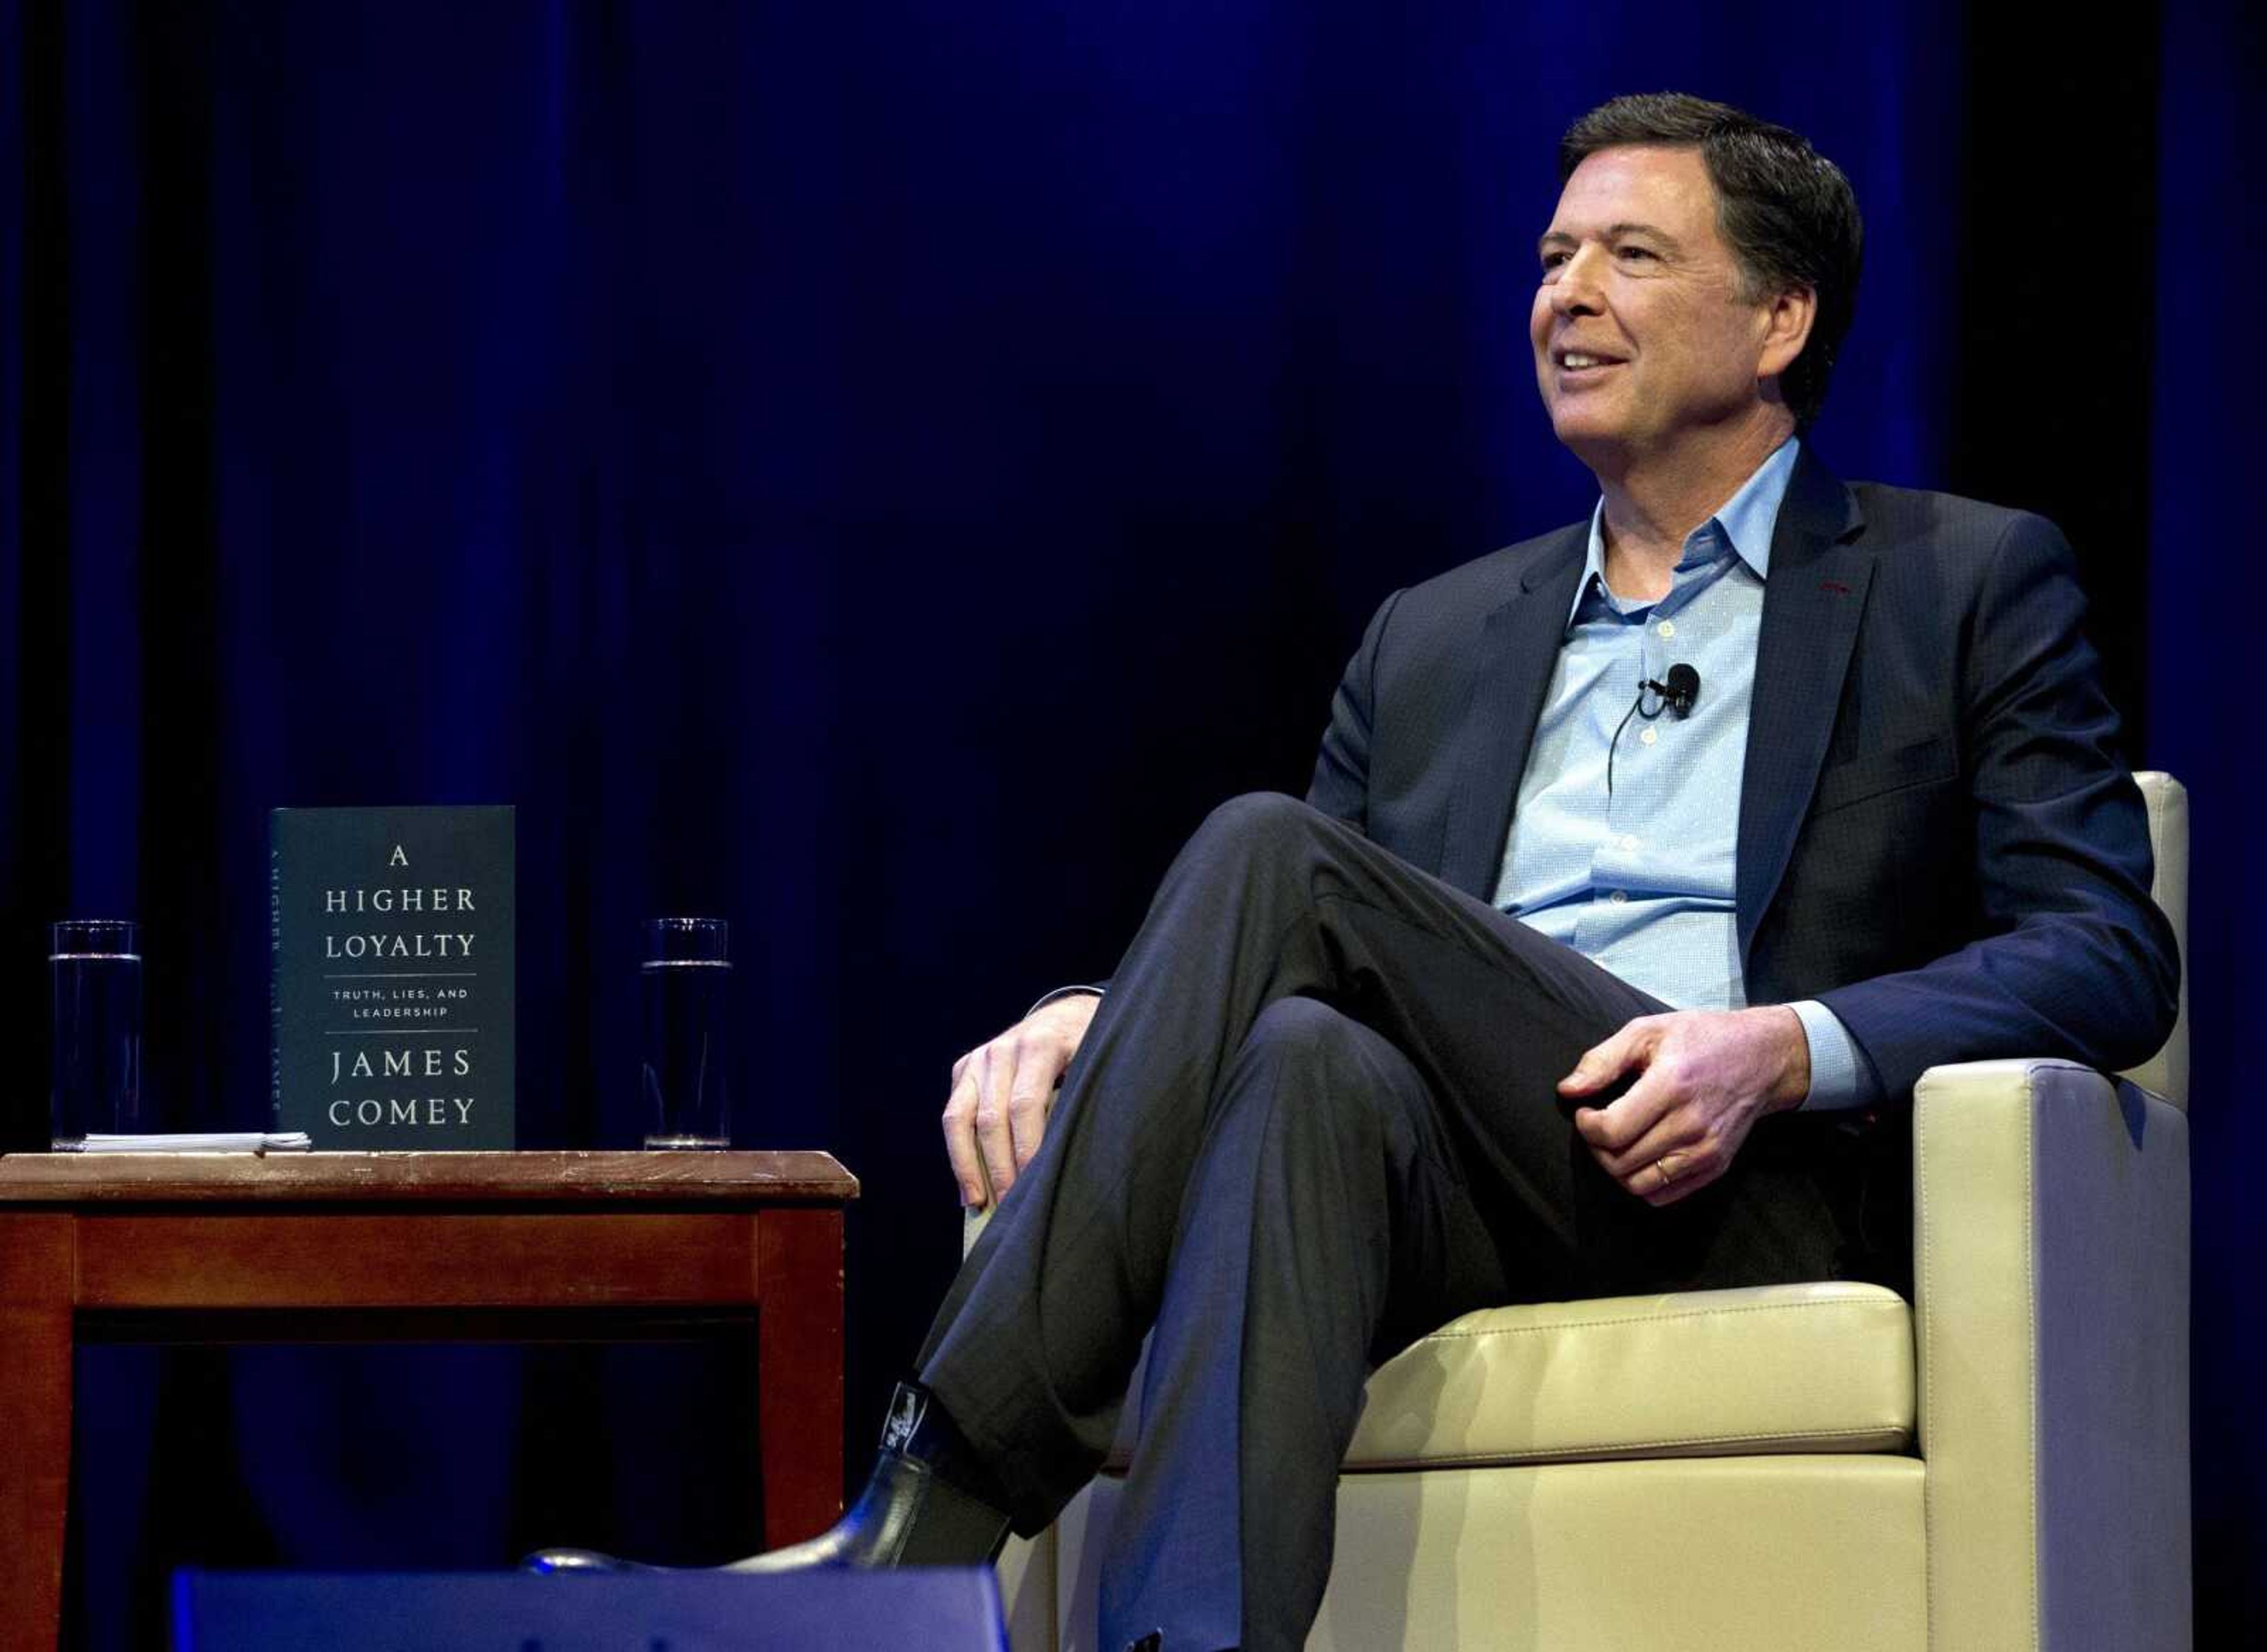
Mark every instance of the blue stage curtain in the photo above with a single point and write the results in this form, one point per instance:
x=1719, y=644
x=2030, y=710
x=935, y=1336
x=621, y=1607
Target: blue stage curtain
x=879, y=473
x=2208, y=427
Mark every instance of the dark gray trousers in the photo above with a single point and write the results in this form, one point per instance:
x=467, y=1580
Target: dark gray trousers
x=1314, y=1118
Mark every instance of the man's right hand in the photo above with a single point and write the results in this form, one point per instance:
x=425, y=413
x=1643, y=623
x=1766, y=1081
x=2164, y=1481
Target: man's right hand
x=1002, y=1093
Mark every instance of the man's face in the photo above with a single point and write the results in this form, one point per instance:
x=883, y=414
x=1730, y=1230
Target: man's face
x=1642, y=335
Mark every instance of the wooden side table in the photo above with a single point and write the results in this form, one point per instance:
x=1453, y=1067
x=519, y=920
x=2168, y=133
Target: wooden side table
x=430, y=1245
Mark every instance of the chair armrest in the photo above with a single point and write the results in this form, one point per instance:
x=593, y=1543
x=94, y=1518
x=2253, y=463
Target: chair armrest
x=2050, y=1236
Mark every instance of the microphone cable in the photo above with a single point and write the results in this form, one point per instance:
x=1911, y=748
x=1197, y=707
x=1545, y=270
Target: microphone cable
x=1678, y=690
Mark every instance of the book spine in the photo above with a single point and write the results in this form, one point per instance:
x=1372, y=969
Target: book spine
x=275, y=972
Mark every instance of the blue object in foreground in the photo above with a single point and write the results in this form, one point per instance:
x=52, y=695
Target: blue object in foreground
x=946, y=1608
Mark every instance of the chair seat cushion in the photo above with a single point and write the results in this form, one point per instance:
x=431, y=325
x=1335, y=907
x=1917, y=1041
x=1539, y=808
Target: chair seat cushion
x=1825, y=1367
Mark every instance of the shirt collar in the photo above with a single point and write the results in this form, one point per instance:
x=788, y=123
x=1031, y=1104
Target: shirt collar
x=1747, y=520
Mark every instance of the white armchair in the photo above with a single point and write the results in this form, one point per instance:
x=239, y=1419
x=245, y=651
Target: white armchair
x=2002, y=1463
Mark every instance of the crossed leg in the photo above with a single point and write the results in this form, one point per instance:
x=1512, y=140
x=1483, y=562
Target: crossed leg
x=1313, y=1116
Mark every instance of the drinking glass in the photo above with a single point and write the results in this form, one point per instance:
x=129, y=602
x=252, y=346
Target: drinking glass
x=94, y=966
x=688, y=978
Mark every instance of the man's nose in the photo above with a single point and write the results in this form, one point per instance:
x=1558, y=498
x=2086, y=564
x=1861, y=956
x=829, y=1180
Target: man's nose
x=1576, y=290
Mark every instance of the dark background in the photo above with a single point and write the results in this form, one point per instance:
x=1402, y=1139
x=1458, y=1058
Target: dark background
x=879, y=473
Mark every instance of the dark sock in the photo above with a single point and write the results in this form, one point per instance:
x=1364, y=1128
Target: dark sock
x=918, y=1426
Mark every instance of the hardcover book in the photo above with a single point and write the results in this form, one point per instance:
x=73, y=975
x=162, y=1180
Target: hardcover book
x=390, y=937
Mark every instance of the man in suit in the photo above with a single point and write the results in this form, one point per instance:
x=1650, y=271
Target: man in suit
x=1644, y=866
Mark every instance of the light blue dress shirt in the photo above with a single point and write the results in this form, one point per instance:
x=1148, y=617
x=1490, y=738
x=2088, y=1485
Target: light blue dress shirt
x=1625, y=848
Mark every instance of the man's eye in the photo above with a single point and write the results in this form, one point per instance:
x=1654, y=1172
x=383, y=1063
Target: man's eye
x=1553, y=260
x=1634, y=252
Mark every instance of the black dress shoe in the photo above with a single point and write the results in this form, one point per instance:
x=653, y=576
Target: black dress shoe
x=930, y=1502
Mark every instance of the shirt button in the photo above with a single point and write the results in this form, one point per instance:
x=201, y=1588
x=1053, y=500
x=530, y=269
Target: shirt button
x=1667, y=627
x=1618, y=896
x=1648, y=737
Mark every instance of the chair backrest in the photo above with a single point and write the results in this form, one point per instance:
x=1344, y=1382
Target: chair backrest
x=2167, y=1072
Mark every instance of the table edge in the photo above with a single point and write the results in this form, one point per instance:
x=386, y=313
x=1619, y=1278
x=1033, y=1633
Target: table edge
x=791, y=1176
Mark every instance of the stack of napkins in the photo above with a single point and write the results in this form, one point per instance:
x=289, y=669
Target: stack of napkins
x=209, y=1141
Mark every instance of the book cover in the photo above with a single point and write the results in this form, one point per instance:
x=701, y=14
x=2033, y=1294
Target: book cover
x=390, y=945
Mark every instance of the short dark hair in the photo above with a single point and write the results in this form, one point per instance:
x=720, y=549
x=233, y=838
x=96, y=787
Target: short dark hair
x=1788, y=214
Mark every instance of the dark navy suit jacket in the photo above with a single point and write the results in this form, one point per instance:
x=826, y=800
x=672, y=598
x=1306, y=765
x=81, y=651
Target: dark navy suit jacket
x=1937, y=837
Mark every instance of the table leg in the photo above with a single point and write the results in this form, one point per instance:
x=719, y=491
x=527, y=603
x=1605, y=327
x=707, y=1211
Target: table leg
x=36, y=1274
x=799, y=1369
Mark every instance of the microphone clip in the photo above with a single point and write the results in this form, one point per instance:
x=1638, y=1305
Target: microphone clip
x=1677, y=693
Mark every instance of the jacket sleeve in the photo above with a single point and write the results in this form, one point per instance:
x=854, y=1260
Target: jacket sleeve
x=2073, y=957
x=1340, y=787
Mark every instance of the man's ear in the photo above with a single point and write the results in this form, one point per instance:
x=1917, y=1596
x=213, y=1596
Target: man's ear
x=1786, y=329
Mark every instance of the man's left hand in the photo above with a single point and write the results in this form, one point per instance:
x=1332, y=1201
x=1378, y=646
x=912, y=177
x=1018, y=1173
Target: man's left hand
x=1704, y=1077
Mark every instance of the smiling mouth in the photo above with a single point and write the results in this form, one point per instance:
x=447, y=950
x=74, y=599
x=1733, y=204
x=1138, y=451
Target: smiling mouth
x=1580, y=362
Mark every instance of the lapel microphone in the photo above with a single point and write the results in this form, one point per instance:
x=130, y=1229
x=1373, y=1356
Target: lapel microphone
x=1677, y=691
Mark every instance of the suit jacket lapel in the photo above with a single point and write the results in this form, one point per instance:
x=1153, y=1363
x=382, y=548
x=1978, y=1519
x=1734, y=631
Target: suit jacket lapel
x=1812, y=603
x=1519, y=643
